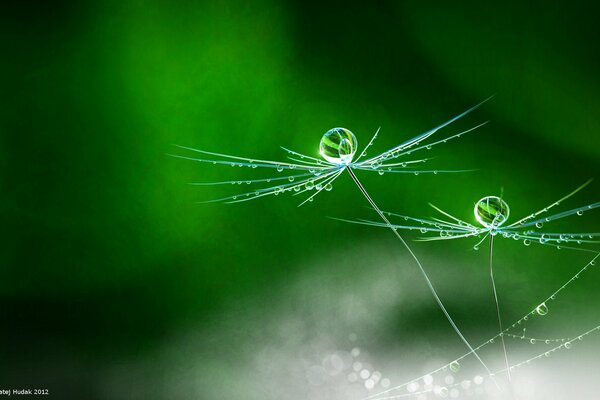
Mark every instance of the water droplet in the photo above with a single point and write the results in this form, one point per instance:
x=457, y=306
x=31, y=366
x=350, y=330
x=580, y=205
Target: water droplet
x=593, y=262
x=542, y=309
x=568, y=345
x=547, y=354
x=338, y=146
x=279, y=168
x=428, y=147
x=416, y=172
x=476, y=247
x=403, y=165
x=539, y=224
x=444, y=392
x=532, y=341
x=291, y=179
x=328, y=187
x=580, y=213
x=454, y=366
x=296, y=188
x=491, y=211
x=547, y=341
x=309, y=185
x=380, y=172
x=423, y=230
x=526, y=242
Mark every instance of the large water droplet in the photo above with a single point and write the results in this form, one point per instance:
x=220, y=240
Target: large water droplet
x=491, y=211
x=542, y=309
x=338, y=146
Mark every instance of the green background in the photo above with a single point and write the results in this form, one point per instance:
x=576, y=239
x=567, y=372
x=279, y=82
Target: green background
x=106, y=257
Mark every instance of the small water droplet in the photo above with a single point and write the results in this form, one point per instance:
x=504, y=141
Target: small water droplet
x=416, y=172
x=380, y=172
x=526, y=242
x=580, y=213
x=291, y=179
x=568, y=345
x=328, y=187
x=539, y=224
x=279, y=168
x=476, y=247
x=542, y=309
x=547, y=354
x=532, y=341
x=428, y=147
x=309, y=185
x=454, y=366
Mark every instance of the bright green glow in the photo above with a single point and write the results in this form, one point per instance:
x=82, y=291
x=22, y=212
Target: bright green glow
x=491, y=211
x=338, y=146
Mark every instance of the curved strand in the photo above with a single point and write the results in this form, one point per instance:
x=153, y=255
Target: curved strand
x=302, y=156
x=250, y=181
x=364, y=152
x=563, y=214
x=323, y=185
x=430, y=145
x=417, y=139
x=545, y=209
x=524, y=318
x=460, y=221
x=247, y=162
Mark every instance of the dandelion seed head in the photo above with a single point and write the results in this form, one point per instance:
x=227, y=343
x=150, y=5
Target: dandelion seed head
x=491, y=211
x=338, y=146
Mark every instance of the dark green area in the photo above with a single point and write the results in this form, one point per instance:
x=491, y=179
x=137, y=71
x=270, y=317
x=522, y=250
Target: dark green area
x=104, y=251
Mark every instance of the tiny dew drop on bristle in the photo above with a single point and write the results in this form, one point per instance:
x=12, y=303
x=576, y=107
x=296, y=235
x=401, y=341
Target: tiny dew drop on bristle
x=279, y=168
x=328, y=187
x=291, y=179
x=338, y=146
x=542, y=309
x=526, y=242
x=309, y=185
x=568, y=345
x=532, y=341
x=539, y=224
x=580, y=213
x=476, y=247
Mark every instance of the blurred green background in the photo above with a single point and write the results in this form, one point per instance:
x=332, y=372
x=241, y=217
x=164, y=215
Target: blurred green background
x=105, y=255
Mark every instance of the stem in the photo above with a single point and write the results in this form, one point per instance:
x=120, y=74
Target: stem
x=429, y=283
x=498, y=306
